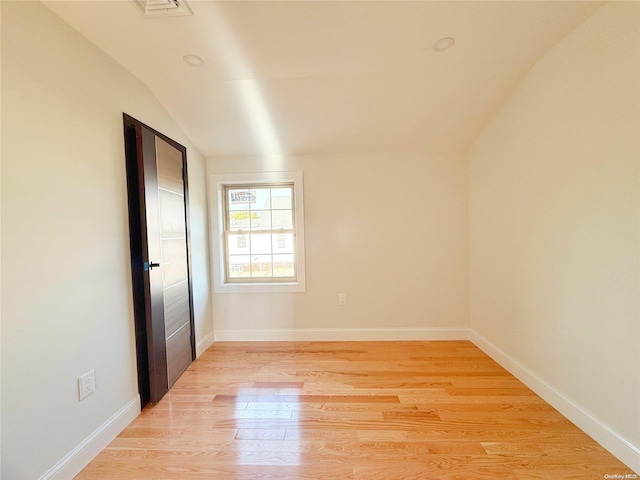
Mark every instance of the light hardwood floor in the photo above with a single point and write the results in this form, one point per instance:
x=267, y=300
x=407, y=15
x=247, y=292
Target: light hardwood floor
x=350, y=410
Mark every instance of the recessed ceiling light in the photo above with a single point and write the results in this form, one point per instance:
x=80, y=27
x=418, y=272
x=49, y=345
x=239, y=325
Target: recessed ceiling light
x=193, y=60
x=443, y=44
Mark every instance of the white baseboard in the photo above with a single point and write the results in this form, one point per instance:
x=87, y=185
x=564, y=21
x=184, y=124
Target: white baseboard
x=203, y=344
x=78, y=458
x=624, y=450
x=339, y=334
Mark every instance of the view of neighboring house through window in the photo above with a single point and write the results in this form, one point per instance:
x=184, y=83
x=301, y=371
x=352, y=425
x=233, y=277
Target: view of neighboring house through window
x=259, y=232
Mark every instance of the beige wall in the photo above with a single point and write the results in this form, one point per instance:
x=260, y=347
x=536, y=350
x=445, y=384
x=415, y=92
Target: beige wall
x=554, y=221
x=66, y=288
x=389, y=230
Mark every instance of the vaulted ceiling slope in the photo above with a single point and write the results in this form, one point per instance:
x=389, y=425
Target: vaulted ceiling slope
x=329, y=76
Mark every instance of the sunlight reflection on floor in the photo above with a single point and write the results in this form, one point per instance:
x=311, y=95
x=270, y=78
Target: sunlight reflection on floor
x=279, y=418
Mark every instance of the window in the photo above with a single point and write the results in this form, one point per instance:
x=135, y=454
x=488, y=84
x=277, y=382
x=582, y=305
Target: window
x=259, y=244
x=259, y=232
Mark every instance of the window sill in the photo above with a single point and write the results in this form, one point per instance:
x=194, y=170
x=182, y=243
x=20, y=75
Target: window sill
x=259, y=288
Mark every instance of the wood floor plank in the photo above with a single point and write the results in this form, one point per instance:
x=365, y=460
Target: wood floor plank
x=440, y=468
x=350, y=410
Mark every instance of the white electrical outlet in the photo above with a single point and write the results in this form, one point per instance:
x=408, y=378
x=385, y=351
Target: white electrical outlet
x=87, y=384
x=342, y=299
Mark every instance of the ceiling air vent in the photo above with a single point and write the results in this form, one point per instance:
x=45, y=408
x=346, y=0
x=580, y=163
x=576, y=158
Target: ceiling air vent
x=163, y=8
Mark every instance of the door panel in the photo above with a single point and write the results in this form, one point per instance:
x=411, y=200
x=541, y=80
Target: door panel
x=172, y=219
x=176, y=307
x=165, y=343
x=174, y=261
x=179, y=352
x=170, y=169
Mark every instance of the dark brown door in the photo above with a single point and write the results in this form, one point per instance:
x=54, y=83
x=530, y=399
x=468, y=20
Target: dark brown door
x=158, y=218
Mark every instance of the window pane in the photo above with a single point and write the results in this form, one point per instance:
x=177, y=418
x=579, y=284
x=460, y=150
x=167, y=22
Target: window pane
x=261, y=220
x=238, y=244
x=239, y=220
x=283, y=266
x=239, y=266
x=263, y=199
x=261, y=266
x=282, y=219
x=282, y=242
x=260, y=244
x=240, y=199
x=281, y=198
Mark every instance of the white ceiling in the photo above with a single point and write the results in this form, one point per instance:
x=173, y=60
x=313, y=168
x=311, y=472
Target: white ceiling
x=329, y=76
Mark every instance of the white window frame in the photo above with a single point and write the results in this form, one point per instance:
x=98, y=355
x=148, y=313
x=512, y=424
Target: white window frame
x=217, y=184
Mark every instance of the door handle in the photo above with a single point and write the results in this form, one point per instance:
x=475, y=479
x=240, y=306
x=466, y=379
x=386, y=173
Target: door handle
x=149, y=265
